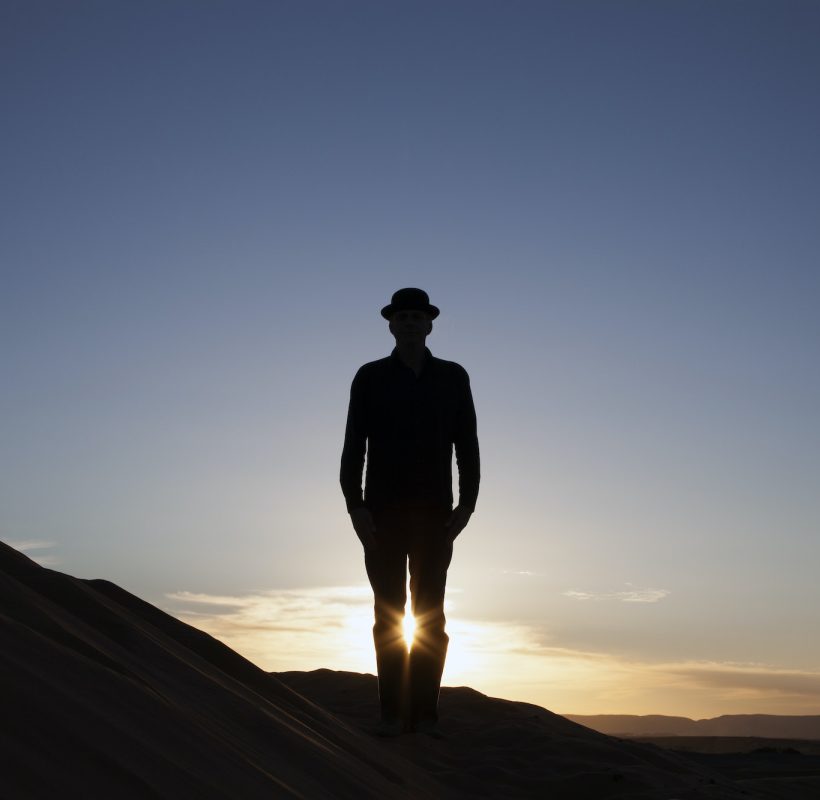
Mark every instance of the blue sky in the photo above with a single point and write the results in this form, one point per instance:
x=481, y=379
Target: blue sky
x=615, y=206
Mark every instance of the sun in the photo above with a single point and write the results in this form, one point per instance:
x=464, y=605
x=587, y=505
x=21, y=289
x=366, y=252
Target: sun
x=409, y=628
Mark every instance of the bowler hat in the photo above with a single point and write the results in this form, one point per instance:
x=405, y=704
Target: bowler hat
x=410, y=300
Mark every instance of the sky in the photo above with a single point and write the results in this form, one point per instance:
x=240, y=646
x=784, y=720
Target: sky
x=615, y=205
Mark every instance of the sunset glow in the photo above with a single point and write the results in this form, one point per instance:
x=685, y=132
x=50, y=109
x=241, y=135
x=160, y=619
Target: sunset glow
x=313, y=628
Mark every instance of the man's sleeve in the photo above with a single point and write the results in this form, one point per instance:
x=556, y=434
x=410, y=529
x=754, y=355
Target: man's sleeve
x=355, y=445
x=466, y=446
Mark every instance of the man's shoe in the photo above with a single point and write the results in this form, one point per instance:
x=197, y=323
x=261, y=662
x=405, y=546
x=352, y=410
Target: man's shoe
x=429, y=727
x=389, y=727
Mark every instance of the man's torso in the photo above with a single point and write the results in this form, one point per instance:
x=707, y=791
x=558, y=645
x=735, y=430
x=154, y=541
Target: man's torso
x=411, y=422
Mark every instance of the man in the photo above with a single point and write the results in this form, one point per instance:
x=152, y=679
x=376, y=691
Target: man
x=408, y=412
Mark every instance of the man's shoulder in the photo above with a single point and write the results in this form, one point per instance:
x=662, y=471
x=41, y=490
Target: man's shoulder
x=373, y=367
x=449, y=367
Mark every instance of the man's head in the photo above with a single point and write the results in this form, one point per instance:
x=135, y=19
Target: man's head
x=411, y=315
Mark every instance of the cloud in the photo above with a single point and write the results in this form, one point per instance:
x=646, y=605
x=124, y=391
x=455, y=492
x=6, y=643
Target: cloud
x=627, y=596
x=27, y=545
x=289, y=628
x=31, y=544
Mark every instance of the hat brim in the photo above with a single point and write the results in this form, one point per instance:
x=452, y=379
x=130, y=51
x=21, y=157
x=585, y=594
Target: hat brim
x=430, y=310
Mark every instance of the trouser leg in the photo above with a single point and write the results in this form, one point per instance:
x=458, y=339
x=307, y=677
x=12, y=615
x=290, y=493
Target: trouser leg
x=387, y=572
x=430, y=554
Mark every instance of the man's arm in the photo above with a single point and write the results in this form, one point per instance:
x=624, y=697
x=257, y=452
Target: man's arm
x=355, y=446
x=353, y=454
x=467, y=458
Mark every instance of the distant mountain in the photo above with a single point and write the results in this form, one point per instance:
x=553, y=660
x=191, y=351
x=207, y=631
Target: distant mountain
x=763, y=725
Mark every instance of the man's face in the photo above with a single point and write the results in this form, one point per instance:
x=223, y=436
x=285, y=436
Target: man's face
x=410, y=326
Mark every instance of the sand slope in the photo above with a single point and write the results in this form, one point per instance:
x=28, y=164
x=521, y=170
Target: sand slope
x=104, y=695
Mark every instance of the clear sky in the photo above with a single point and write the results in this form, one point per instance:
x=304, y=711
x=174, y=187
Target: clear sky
x=615, y=205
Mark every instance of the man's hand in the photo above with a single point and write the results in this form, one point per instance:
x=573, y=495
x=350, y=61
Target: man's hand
x=365, y=529
x=457, y=521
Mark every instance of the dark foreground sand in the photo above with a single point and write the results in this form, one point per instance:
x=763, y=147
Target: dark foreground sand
x=106, y=696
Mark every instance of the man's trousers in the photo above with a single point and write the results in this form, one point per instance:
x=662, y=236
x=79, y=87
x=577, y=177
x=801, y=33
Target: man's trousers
x=409, y=684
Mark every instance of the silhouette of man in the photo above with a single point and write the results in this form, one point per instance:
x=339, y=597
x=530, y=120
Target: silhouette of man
x=407, y=412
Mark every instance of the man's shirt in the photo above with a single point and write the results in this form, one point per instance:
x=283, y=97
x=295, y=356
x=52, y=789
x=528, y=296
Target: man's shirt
x=408, y=426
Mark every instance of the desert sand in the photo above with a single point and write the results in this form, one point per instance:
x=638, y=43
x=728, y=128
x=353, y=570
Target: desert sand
x=105, y=695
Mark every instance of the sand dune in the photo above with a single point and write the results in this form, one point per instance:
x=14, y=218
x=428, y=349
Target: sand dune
x=104, y=695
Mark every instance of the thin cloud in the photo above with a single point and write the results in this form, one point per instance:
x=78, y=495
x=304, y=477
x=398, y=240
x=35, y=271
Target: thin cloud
x=27, y=545
x=208, y=599
x=24, y=545
x=576, y=595
x=627, y=596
